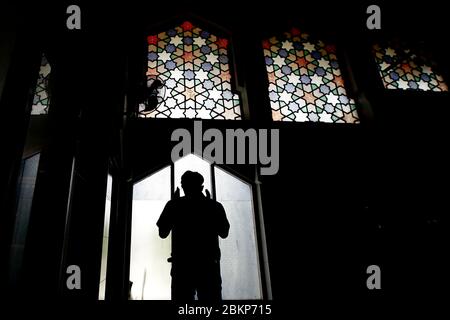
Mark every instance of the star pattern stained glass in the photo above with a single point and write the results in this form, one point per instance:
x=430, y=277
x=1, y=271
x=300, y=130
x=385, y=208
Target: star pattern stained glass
x=305, y=82
x=194, y=66
x=41, y=99
x=401, y=68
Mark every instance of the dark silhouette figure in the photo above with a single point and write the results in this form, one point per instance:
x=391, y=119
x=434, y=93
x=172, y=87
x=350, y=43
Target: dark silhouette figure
x=196, y=223
x=152, y=95
x=149, y=95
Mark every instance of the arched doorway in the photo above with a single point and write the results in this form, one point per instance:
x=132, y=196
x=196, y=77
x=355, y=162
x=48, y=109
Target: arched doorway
x=149, y=269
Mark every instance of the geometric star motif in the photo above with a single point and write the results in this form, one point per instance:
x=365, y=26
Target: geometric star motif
x=286, y=97
x=304, y=74
x=309, y=98
x=194, y=65
x=190, y=93
x=324, y=63
x=390, y=52
x=325, y=117
x=176, y=41
x=188, y=57
x=212, y=58
x=287, y=45
x=292, y=79
x=409, y=73
x=309, y=46
x=225, y=76
x=280, y=61
x=215, y=94
x=332, y=99
x=41, y=93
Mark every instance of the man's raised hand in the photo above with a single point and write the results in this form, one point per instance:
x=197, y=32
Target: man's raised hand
x=176, y=195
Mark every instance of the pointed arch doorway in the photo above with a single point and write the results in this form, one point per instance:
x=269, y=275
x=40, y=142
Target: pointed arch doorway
x=240, y=263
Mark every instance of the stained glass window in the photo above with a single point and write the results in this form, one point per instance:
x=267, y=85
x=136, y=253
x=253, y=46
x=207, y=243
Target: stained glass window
x=194, y=67
x=402, y=68
x=41, y=97
x=305, y=81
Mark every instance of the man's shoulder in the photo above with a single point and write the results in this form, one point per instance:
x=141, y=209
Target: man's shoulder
x=175, y=202
x=183, y=200
x=178, y=201
x=214, y=203
x=210, y=201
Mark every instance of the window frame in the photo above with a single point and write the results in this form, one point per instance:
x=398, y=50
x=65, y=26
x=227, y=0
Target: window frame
x=137, y=63
x=345, y=67
x=260, y=235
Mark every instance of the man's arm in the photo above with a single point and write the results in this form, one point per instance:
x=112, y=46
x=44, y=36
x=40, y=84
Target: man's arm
x=165, y=222
x=223, y=226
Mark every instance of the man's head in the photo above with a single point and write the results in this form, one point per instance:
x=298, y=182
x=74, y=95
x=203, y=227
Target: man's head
x=192, y=183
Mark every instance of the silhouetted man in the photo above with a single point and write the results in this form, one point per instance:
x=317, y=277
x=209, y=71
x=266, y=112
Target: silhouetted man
x=196, y=223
